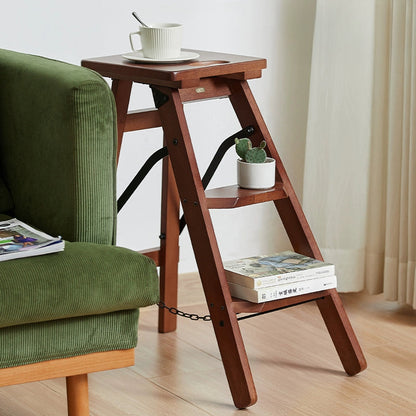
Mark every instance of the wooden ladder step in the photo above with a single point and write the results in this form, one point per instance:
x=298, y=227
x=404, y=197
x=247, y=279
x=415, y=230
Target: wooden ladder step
x=244, y=306
x=233, y=196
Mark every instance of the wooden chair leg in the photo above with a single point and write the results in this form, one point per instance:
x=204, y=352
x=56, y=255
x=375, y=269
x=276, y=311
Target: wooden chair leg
x=77, y=395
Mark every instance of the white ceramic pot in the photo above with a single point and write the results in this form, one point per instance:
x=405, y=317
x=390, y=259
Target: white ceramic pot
x=256, y=175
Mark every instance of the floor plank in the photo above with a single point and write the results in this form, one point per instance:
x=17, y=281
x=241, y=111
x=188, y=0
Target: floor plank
x=295, y=367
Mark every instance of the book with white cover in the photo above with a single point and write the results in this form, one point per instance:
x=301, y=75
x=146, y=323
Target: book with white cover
x=274, y=269
x=18, y=240
x=284, y=290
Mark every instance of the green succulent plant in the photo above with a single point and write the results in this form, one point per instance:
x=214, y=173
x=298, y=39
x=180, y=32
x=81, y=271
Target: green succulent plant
x=248, y=153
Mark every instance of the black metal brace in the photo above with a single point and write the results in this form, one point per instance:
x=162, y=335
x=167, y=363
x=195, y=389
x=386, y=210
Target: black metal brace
x=163, y=152
x=141, y=174
x=158, y=97
x=216, y=160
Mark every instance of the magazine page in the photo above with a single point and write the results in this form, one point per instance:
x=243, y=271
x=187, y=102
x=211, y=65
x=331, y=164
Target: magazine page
x=18, y=239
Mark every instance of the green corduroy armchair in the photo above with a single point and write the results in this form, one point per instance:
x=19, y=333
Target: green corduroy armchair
x=70, y=313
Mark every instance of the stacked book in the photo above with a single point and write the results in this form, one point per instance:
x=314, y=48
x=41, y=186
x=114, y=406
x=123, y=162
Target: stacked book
x=264, y=278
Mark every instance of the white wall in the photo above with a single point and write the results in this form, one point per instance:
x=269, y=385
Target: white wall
x=279, y=30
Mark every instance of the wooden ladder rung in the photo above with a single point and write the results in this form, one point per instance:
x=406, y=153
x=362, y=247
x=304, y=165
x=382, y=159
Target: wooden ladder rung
x=233, y=196
x=142, y=120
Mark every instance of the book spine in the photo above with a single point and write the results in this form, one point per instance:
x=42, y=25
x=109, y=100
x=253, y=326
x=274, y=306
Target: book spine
x=283, y=291
x=267, y=281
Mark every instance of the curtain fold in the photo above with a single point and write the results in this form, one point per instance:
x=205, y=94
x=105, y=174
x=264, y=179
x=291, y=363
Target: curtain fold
x=400, y=242
x=360, y=153
x=336, y=174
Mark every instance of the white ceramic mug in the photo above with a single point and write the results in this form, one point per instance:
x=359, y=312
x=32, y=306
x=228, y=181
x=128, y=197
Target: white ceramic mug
x=159, y=40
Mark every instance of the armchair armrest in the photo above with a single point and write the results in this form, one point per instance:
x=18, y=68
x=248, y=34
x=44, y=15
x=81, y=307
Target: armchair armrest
x=58, y=146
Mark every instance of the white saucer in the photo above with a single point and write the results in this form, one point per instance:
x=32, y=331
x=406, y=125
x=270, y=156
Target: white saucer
x=137, y=56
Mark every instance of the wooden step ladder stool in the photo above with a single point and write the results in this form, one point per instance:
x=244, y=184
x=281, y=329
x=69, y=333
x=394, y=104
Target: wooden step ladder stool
x=215, y=75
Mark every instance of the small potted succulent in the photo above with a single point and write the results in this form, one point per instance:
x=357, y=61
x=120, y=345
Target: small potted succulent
x=254, y=169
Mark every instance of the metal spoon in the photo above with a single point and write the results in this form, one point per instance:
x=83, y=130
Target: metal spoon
x=140, y=21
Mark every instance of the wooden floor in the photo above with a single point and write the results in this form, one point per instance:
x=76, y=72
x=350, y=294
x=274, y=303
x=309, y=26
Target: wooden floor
x=295, y=367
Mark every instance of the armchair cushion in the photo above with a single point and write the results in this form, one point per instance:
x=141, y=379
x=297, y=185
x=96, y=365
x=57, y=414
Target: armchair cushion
x=64, y=338
x=82, y=280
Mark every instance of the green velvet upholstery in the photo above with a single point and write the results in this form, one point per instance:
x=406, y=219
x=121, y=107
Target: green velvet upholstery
x=57, y=173
x=32, y=343
x=6, y=201
x=66, y=284
x=57, y=153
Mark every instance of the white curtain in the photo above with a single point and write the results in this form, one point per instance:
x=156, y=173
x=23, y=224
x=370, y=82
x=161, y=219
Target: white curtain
x=360, y=161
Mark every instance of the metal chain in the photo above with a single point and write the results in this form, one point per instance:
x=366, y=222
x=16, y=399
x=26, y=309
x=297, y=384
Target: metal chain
x=191, y=316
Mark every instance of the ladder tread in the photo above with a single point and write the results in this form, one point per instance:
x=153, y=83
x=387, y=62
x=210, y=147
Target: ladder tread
x=233, y=196
x=244, y=306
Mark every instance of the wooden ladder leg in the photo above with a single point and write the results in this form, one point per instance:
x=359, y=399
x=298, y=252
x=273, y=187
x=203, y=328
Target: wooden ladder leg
x=206, y=250
x=342, y=334
x=331, y=308
x=299, y=232
x=169, y=246
x=77, y=395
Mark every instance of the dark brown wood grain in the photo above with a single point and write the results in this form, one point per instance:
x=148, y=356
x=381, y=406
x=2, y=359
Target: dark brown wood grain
x=178, y=75
x=169, y=248
x=216, y=75
x=233, y=196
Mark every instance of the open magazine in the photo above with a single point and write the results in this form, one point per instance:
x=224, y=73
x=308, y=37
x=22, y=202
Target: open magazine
x=18, y=239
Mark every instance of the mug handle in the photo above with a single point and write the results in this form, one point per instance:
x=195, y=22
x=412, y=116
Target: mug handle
x=131, y=39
